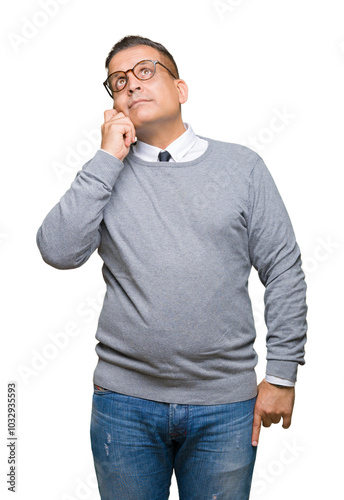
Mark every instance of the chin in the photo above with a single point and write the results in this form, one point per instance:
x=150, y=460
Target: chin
x=141, y=120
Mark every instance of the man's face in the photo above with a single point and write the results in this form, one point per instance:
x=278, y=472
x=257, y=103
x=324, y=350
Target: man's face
x=152, y=102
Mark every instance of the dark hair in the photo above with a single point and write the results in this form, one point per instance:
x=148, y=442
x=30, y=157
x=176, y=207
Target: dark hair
x=132, y=41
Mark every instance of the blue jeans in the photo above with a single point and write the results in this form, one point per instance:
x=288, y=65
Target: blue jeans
x=137, y=443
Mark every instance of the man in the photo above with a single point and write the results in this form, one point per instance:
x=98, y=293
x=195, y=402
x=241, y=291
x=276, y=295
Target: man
x=179, y=220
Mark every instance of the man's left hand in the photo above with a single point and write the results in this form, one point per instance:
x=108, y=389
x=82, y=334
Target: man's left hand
x=273, y=403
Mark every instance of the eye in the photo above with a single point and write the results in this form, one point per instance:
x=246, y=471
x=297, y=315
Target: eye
x=145, y=71
x=120, y=82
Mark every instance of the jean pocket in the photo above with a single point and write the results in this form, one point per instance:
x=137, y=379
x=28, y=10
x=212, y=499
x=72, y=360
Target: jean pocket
x=100, y=390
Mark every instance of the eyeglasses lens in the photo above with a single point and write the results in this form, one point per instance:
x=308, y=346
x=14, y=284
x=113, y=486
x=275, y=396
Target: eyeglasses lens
x=144, y=70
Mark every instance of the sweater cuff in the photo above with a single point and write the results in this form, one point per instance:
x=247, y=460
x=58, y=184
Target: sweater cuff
x=104, y=167
x=282, y=369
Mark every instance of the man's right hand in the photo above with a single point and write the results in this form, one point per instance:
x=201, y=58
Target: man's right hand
x=118, y=133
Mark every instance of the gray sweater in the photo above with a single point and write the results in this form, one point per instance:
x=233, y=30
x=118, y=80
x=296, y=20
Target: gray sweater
x=178, y=241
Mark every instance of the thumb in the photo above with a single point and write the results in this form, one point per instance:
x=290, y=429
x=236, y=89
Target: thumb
x=257, y=422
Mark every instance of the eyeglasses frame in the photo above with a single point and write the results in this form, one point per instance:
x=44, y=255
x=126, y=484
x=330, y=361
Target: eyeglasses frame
x=107, y=87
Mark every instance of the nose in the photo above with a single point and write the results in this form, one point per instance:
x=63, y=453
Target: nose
x=133, y=82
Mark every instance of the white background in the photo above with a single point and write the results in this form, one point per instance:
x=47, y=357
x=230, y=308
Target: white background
x=245, y=62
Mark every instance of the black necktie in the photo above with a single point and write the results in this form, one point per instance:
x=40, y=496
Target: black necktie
x=164, y=156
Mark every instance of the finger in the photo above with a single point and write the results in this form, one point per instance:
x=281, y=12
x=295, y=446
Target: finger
x=133, y=131
x=129, y=134
x=128, y=139
x=123, y=122
x=109, y=113
x=257, y=422
x=286, y=421
x=122, y=118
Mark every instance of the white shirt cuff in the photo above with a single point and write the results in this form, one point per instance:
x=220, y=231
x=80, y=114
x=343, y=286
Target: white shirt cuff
x=279, y=381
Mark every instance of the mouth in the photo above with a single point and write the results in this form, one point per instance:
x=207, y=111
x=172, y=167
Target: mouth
x=138, y=101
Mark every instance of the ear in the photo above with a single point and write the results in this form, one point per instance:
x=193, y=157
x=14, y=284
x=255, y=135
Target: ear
x=183, y=90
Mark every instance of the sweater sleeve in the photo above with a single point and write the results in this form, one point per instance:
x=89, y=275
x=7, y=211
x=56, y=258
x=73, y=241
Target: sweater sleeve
x=71, y=231
x=275, y=254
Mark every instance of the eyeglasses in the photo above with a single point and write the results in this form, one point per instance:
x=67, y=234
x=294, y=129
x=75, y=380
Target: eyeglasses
x=143, y=70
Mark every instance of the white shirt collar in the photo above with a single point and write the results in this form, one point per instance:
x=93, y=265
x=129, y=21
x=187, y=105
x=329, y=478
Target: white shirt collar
x=177, y=149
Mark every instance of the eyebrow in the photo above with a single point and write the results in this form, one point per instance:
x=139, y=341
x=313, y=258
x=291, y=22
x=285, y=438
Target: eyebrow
x=124, y=71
